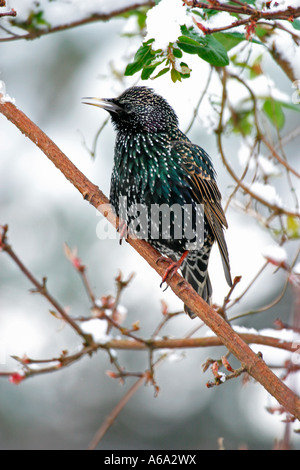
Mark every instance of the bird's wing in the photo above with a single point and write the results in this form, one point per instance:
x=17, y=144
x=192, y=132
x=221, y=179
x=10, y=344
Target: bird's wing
x=200, y=176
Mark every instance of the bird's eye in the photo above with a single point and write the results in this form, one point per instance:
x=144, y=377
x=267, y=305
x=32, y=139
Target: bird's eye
x=128, y=107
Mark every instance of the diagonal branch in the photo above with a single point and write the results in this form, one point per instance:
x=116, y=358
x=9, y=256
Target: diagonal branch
x=254, y=365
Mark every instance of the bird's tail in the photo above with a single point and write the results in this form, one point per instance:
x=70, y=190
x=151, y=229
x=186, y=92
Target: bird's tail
x=194, y=270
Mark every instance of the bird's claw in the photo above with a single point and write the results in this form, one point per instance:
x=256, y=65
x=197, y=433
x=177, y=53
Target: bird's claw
x=163, y=259
x=172, y=268
x=122, y=229
x=170, y=271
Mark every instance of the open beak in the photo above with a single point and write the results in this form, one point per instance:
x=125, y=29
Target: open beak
x=105, y=103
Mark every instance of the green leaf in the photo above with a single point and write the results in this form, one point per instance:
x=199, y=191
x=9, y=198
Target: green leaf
x=175, y=75
x=188, y=45
x=296, y=24
x=261, y=31
x=293, y=226
x=208, y=47
x=185, y=70
x=35, y=21
x=147, y=71
x=230, y=40
x=177, y=53
x=242, y=122
x=273, y=109
x=191, y=33
x=206, y=13
x=214, y=52
x=39, y=20
x=143, y=57
x=161, y=72
x=131, y=69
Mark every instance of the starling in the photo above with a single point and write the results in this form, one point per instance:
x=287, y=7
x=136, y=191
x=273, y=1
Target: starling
x=156, y=166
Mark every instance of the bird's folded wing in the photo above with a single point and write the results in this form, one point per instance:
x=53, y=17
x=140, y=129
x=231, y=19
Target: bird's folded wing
x=200, y=176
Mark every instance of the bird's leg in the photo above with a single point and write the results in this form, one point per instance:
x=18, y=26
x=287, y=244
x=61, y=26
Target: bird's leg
x=122, y=229
x=173, y=268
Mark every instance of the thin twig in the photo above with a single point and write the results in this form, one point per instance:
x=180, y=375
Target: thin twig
x=273, y=207
x=42, y=289
x=38, y=32
x=11, y=12
x=115, y=412
x=197, y=107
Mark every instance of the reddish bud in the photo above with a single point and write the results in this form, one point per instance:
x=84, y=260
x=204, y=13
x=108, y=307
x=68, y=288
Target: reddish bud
x=164, y=308
x=25, y=359
x=73, y=258
x=279, y=324
x=275, y=409
x=111, y=374
x=148, y=376
x=108, y=302
x=201, y=27
x=16, y=378
x=250, y=30
x=136, y=326
x=209, y=384
x=226, y=364
x=215, y=369
x=275, y=262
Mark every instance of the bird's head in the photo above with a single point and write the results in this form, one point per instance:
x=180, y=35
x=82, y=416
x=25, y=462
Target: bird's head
x=138, y=109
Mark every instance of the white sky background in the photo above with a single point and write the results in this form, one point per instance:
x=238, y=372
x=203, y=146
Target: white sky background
x=41, y=185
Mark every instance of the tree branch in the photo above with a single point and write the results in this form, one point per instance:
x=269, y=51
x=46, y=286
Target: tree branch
x=38, y=32
x=41, y=288
x=109, y=420
x=277, y=210
x=254, y=365
x=11, y=12
x=289, y=13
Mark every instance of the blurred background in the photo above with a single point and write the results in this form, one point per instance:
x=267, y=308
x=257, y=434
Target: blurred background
x=47, y=77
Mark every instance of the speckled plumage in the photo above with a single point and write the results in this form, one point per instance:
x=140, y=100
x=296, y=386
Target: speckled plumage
x=154, y=164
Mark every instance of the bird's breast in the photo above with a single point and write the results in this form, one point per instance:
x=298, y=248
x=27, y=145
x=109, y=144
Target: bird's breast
x=143, y=166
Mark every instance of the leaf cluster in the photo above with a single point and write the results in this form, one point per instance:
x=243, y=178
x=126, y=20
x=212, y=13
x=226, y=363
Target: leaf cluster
x=211, y=48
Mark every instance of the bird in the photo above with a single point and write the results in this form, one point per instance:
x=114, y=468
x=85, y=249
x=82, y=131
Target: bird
x=156, y=166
